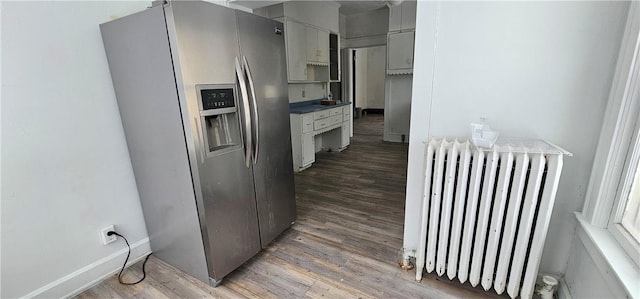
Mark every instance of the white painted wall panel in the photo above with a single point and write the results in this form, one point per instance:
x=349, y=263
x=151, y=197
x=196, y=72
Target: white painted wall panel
x=583, y=277
x=66, y=171
x=305, y=91
x=536, y=70
x=376, y=57
x=361, y=78
x=370, y=23
x=398, y=107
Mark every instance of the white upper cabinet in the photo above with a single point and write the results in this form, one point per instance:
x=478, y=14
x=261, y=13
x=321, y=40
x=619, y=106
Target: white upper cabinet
x=320, y=14
x=408, y=15
x=317, y=45
x=307, y=27
x=400, y=39
x=400, y=52
x=323, y=46
x=296, y=47
x=403, y=16
x=395, y=18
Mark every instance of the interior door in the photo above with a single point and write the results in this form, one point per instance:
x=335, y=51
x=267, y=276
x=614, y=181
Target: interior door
x=262, y=43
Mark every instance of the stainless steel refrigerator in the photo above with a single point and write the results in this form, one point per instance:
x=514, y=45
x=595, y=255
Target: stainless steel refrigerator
x=202, y=94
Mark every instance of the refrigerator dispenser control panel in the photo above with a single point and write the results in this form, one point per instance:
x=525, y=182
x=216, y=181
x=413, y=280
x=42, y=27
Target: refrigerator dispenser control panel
x=217, y=98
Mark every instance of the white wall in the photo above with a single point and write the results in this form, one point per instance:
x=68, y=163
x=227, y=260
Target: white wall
x=299, y=92
x=534, y=69
x=368, y=23
x=66, y=171
x=588, y=275
x=361, y=78
x=376, y=72
x=397, y=111
x=370, y=75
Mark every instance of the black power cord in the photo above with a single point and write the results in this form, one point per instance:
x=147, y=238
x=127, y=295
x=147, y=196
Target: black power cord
x=144, y=273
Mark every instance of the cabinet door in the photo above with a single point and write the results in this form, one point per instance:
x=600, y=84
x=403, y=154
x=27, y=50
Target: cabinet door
x=312, y=44
x=323, y=46
x=400, y=50
x=408, y=15
x=296, y=51
x=395, y=18
x=397, y=113
x=308, y=149
x=344, y=142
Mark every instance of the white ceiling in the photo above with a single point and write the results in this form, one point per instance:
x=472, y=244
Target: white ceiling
x=347, y=7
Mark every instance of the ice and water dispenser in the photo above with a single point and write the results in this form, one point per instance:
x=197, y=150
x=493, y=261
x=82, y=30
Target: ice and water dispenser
x=219, y=119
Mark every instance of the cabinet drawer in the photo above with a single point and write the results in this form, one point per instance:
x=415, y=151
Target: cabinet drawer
x=335, y=111
x=321, y=114
x=336, y=119
x=307, y=123
x=306, y=128
x=323, y=123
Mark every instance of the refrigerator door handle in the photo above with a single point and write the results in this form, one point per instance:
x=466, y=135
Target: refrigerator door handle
x=245, y=109
x=254, y=111
x=200, y=140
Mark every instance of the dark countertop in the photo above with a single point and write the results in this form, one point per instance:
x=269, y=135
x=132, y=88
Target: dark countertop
x=312, y=106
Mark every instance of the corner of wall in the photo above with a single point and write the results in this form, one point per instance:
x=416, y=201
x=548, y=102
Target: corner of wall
x=563, y=291
x=92, y=274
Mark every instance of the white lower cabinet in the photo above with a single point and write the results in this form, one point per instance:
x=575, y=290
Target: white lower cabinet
x=344, y=142
x=302, y=140
x=308, y=150
x=332, y=127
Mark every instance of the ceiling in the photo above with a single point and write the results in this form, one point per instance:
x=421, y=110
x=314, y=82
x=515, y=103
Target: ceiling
x=347, y=7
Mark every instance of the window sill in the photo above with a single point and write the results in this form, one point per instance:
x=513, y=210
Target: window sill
x=607, y=248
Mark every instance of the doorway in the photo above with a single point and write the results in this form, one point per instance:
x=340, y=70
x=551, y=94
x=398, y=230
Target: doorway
x=366, y=75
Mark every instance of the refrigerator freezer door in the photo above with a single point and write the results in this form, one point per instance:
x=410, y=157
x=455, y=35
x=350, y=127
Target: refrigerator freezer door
x=138, y=51
x=207, y=45
x=262, y=43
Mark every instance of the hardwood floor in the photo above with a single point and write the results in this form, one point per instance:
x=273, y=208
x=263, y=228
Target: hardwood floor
x=345, y=243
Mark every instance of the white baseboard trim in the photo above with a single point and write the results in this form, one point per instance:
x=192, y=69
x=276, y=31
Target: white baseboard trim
x=84, y=278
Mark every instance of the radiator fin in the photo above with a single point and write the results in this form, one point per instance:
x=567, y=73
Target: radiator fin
x=485, y=214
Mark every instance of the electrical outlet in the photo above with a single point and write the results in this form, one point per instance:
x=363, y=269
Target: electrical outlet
x=107, y=239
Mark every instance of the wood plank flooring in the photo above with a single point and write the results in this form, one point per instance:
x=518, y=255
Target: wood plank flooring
x=345, y=243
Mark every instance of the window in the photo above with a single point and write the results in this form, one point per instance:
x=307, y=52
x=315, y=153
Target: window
x=631, y=215
x=624, y=221
x=613, y=198
x=609, y=218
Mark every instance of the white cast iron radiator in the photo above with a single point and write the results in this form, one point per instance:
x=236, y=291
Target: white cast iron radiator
x=485, y=212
